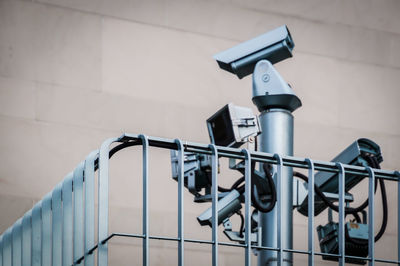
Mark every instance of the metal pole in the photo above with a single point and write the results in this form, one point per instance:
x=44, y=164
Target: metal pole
x=277, y=137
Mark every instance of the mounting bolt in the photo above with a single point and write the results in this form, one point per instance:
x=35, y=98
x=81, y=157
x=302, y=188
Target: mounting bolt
x=265, y=77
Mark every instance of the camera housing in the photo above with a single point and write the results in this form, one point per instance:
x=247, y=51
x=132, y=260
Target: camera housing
x=227, y=206
x=232, y=125
x=195, y=170
x=328, y=182
x=274, y=46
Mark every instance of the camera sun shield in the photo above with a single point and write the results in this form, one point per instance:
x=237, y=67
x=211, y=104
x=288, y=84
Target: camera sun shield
x=274, y=46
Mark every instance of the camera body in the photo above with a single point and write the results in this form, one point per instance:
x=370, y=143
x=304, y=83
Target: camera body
x=274, y=46
x=328, y=182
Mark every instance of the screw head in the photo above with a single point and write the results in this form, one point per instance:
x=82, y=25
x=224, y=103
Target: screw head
x=265, y=77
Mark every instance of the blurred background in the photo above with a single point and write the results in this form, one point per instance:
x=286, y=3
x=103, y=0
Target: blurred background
x=76, y=72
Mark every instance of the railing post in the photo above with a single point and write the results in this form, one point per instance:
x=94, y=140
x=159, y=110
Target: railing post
x=46, y=231
x=56, y=206
x=279, y=165
x=36, y=235
x=67, y=241
x=7, y=247
x=89, y=207
x=247, y=203
x=310, y=212
x=102, y=251
x=371, y=219
x=26, y=239
x=214, y=194
x=180, y=202
x=17, y=243
x=341, y=214
x=145, y=145
x=397, y=173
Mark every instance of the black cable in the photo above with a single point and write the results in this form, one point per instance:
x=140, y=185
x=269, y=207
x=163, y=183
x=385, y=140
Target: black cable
x=357, y=217
x=354, y=211
x=115, y=150
x=348, y=210
x=237, y=183
x=375, y=164
x=255, y=198
x=241, y=223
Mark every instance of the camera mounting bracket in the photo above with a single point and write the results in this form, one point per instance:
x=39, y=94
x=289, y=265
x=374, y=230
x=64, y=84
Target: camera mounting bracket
x=270, y=90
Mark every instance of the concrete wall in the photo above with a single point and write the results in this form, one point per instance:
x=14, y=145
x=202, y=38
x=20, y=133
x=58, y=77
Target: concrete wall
x=75, y=72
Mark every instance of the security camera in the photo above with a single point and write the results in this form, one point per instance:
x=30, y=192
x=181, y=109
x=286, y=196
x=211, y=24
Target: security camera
x=328, y=236
x=227, y=206
x=356, y=154
x=274, y=46
x=232, y=126
x=196, y=168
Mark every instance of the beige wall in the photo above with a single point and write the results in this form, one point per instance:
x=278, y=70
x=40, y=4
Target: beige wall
x=75, y=72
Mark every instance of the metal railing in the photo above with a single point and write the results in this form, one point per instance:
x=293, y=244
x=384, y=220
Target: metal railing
x=59, y=229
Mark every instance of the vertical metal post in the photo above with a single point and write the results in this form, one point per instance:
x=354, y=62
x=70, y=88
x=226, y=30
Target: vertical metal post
x=89, y=207
x=214, y=194
x=341, y=214
x=56, y=206
x=46, y=230
x=145, y=145
x=26, y=239
x=180, y=202
x=279, y=206
x=102, y=251
x=36, y=235
x=398, y=215
x=1, y=250
x=247, y=200
x=7, y=247
x=277, y=137
x=67, y=243
x=310, y=212
x=371, y=212
x=78, y=211
x=17, y=243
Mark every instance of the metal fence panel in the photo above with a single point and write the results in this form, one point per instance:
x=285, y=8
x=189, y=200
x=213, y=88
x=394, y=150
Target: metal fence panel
x=59, y=230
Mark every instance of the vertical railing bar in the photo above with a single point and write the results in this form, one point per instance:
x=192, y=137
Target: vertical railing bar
x=214, y=195
x=67, y=241
x=180, y=202
x=46, y=231
x=56, y=206
x=1, y=250
x=145, y=145
x=371, y=217
x=36, y=256
x=279, y=160
x=398, y=215
x=7, y=247
x=78, y=211
x=102, y=229
x=341, y=214
x=89, y=207
x=247, y=201
x=26, y=239
x=17, y=243
x=311, y=195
